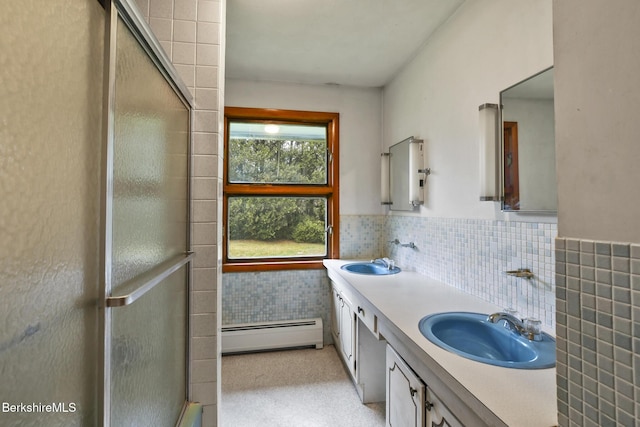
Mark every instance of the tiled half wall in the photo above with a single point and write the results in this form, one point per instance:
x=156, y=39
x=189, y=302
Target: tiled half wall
x=598, y=333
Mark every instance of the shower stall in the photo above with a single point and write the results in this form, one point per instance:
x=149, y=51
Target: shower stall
x=95, y=250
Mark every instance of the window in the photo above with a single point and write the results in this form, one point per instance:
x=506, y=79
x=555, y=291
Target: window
x=280, y=189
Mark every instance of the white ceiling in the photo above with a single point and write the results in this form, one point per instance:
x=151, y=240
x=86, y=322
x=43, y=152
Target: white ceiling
x=346, y=42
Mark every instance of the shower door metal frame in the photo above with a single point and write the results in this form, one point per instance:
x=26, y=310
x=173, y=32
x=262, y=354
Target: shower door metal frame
x=128, y=12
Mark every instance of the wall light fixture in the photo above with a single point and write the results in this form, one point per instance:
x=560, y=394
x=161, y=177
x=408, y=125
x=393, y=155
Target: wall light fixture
x=385, y=184
x=489, y=152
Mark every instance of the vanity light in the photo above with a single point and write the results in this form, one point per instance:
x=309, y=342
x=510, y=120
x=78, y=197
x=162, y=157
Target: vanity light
x=489, y=153
x=385, y=182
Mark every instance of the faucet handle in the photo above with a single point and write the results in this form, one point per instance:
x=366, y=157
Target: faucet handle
x=533, y=328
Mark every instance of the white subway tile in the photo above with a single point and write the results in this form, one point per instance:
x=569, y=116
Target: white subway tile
x=203, y=348
x=161, y=9
x=162, y=28
x=206, y=77
x=204, y=233
x=203, y=325
x=187, y=74
x=184, y=31
x=206, y=256
x=206, y=99
x=208, y=32
x=185, y=10
x=205, y=143
x=204, y=279
x=208, y=11
x=205, y=393
x=205, y=166
x=205, y=121
x=183, y=53
x=208, y=54
x=203, y=371
x=204, y=210
x=204, y=302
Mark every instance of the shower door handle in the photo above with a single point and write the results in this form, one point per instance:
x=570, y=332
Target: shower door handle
x=150, y=280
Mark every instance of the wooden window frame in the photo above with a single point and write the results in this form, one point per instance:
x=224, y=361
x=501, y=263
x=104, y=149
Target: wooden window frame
x=330, y=190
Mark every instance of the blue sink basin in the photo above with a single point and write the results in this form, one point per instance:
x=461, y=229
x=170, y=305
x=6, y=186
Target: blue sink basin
x=370, y=268
x=472, y=336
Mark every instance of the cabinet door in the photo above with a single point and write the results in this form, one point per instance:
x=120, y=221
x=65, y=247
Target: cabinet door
x=335, y=316
x=439, y=415
x=347, y=332
x=405, y=394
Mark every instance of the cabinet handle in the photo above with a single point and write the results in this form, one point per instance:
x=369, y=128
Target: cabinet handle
x=443, y=423
x=361, y=310
x=428, y=405
x=413, y=391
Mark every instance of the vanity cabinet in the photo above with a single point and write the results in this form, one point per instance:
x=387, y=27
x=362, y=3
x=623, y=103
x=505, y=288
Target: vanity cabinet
x=410, y=403
x=356, y=337
x=457, y=391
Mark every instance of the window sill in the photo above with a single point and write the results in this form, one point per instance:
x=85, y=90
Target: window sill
x=235, y=267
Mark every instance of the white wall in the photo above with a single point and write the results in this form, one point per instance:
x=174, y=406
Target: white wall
x=597, y=104
x=487, y=46
x=360, y=131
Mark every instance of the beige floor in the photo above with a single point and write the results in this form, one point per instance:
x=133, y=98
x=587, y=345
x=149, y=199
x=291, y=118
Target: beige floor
x=294, y=388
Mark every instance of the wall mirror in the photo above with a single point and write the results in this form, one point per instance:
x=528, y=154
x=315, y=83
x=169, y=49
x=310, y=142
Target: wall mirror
x=528, y=146
x=403, y=176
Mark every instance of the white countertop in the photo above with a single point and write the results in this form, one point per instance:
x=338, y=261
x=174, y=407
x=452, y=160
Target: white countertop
x=519, y=397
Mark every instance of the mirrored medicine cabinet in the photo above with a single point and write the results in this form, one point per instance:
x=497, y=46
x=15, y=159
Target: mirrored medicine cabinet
x=528, y=146
x=403, y=175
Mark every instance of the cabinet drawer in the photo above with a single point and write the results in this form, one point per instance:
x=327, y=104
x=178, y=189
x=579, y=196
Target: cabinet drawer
x=366, y=314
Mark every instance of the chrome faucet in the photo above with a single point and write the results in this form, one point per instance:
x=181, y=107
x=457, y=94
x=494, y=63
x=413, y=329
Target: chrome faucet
x=516, y=325
x=389, y=263
x=511, y=322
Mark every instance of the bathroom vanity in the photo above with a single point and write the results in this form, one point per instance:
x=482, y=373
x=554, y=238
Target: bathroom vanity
x=375, y=329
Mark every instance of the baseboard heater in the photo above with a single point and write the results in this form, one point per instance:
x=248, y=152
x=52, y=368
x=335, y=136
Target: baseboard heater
x=272, y=335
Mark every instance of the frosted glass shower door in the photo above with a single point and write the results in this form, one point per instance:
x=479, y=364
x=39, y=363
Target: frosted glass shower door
x=50, y=107
x=148, y=257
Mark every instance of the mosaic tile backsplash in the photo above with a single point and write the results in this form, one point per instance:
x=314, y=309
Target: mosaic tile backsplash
x=471, y=255
x=598, y=333
x=361, y=236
